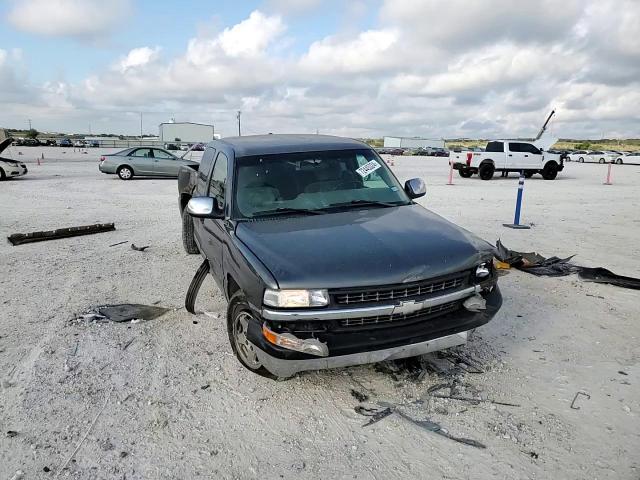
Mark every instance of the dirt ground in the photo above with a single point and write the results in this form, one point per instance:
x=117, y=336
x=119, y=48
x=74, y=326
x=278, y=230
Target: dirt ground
x=166, y=399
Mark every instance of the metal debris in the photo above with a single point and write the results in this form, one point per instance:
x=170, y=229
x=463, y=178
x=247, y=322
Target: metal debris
x=139, y=249
x=576, y=397
x=42, y=236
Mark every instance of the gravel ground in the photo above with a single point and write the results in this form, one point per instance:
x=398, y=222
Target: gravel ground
x=165, y=398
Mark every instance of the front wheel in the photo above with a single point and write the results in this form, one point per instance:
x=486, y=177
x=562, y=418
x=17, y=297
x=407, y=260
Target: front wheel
x=601, y=160
x=188, y=240
x=619, y=161
x=550, y=171
x=486, y=171
x=125, y=173
x=581, y=160
x=465, y=173
x=239, y=316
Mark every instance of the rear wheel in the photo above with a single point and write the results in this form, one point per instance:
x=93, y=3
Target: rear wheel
x=125, y=173
x=581, y=160
x=619, y=161
x=188, y=240
x=550, y=171
x=486, y=171
x=601, y=160
x=465, y=173
x=239, y=316
x=2, y=175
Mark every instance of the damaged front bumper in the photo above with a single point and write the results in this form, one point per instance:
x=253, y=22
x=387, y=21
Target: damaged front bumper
x=353, y=338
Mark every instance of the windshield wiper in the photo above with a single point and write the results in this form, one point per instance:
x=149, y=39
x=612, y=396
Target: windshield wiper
x=286, y=210
x=363, y=203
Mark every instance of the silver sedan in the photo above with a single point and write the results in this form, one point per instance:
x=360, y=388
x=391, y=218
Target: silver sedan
x=143, y=161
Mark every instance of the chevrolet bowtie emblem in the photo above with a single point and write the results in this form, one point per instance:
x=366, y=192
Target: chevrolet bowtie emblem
x=405, y=307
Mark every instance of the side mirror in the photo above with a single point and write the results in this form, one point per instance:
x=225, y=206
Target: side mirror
x=415, y=188
x=204, y=207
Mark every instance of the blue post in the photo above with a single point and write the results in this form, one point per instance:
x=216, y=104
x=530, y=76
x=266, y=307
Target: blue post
x=516, y=219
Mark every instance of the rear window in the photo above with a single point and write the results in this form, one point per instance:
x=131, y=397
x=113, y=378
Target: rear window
x=495, y=147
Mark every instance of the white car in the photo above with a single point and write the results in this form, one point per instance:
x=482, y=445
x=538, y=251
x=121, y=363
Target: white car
x=10, y=168
x=575, y=156
x=597, y=156
x=632, y=157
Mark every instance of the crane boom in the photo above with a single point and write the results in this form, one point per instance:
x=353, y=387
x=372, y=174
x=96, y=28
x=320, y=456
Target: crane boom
x=544, y=127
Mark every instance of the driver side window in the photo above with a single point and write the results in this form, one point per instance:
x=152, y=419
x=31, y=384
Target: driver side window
x=218, y=182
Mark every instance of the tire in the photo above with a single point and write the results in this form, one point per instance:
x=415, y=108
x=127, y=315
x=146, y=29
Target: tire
x=486, y=171
x=550, y=171
x=188, y=240
x=619, y=161
x=3, y=176
x=528, y=173
x=125, y=172
x=581, y=160
x=465, y=173
x=238, y=316
x=601, y=160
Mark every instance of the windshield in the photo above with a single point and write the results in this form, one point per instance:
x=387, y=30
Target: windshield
x=314, y=182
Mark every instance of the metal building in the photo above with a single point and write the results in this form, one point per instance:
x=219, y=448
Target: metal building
x=186, y=132
x=413, y=142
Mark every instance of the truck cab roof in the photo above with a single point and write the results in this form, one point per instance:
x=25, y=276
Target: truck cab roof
x=273, y=144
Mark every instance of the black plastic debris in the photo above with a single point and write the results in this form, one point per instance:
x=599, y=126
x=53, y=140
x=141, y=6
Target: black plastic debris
x=536, y=264
x=139, y=249
x=42, y=236
x=131, y=311
x=359, y=396
x=194, y=287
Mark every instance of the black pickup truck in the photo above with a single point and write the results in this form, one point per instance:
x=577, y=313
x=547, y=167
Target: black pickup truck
x=324, y=257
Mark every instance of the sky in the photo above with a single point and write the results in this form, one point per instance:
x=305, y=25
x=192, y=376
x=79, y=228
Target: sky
x=362, y=68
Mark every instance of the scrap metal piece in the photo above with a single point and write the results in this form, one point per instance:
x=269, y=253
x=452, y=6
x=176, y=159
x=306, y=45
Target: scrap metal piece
x=42, y=236
x=576, y=397
x=131, y=311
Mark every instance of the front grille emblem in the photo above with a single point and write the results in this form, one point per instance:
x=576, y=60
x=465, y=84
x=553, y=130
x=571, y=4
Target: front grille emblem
x=405, y=307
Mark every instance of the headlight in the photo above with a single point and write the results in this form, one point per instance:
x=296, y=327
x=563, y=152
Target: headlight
x=296, y=298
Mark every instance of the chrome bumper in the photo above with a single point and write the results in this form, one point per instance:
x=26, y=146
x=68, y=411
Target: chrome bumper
x=405, y=307
x=287, y=368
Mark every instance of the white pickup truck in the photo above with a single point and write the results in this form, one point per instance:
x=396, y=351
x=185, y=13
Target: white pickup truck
x=508, y=156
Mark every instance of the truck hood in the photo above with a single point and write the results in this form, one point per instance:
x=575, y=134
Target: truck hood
x=358, y=248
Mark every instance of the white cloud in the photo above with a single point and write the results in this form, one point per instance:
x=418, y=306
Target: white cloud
x=138, y=57
x=68, y=18
x=368, y=51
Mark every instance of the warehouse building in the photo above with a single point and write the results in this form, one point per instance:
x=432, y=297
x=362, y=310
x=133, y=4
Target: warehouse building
x=413, y=142
x=186, y=132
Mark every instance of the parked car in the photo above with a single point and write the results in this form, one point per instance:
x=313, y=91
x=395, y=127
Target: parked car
x=80, y=144
x=142, y=161
x=508, y=156
x=325, y=258
x=94, y=144
x=171, y=146
x=198, y=147
x=184, y=147
x=30, y=142
x=632, y=157
x=391, y=151
x=48, y=142
x=440, y=152
x=65, y=142
x=8, y=167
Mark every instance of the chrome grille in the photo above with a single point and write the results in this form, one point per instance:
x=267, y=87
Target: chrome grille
x=399, y=317
x=413, y=290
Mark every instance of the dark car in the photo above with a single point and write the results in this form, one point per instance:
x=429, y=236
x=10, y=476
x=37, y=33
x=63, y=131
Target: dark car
x=325, y=258
x=65, y=142
x=171, y=146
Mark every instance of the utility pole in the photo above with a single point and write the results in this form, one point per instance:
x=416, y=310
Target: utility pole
x=140, y=126
x=89, y=129
x=239, y=113
x=29, y=124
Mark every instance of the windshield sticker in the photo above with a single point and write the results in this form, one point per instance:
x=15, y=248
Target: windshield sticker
x=368, y=168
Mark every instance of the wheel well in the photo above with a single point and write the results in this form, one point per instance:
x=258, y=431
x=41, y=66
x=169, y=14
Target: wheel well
x=232, y=286
x=488, y=162
x=184, y=199
x=550, y=162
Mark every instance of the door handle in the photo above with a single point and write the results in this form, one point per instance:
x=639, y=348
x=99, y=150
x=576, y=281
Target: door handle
x=526, y=155
x=510, y=155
